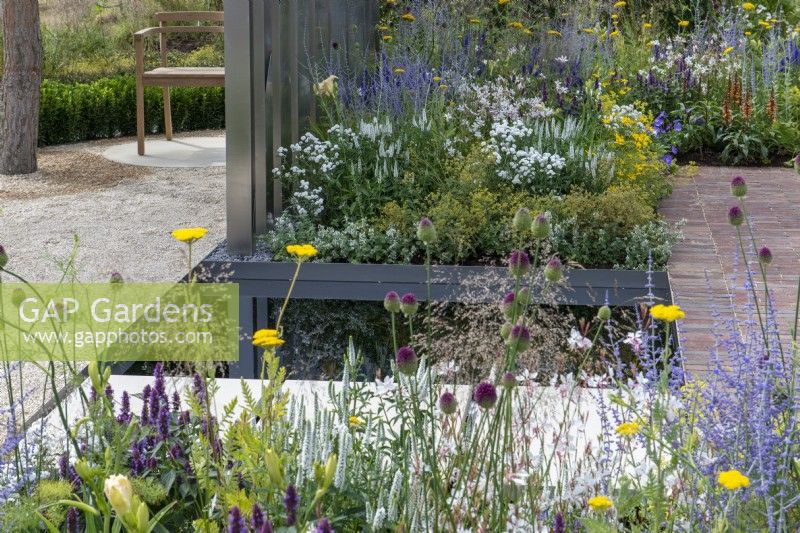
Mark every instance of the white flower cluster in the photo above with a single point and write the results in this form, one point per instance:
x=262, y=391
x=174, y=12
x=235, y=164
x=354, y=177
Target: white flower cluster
x=309, y=155
x=517, y=161
x=627, y=118
x=307, y=201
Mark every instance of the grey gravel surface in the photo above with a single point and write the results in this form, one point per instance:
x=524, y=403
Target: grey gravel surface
x=121, y=217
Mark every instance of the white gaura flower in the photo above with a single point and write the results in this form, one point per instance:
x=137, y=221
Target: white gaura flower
x=446, y=369
x=577, y=341
x=634, y=340
x=385, y=386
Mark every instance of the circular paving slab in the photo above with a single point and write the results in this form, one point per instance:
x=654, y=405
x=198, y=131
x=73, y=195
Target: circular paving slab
x=183, y=152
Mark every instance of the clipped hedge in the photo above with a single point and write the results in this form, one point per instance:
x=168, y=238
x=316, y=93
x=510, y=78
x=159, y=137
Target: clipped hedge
x=107, y=108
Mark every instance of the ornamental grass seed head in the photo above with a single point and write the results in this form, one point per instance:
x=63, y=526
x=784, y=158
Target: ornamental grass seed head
x=426, y=231
x=406, y=360
x=485, y=395
x=764, y=256
x=409, y=304
x=522, y=220
x=448, y=403
x=391, y=302
x=738, y=187
x=735, y=216
x=519, y=338
x=519, y=263
x=540, y=227
x=553, y=270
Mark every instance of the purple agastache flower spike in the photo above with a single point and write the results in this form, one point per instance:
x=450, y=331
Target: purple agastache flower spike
x=125, y=410
x=176, y=401
x=72, y=520
x=290, y=502
x=163, y=424
x=198, y=388
x=324, y=526
x=236, y=523
x=160, y=385
x=559, y=524
x=485, y=395
x=256, y=517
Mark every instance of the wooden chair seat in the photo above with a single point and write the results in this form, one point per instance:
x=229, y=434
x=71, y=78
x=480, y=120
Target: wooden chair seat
x=166, y=76
x=185, y=77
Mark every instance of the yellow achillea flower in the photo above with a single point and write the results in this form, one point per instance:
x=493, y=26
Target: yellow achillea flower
x=443, y=87
x=355, y=422
x=474, y=21
x=554, y=32
x=383, y=27
x=621, y=3
x=515, y=24
x=301, y=251
x=189, y=235
x=588, y=30
x=765, y=24
x=727, y=50
x=614, y=33
x=409, y=17
x=437, y=79
x=683, y=23
x=748, y=6
x=387, y=38
x=733, y=479
x=600, y=503
x=628, y=429
x=502, y=2
x=748, y=33
x=399, y=70
x=667, y=313
x=647, y=25
x=267, y=338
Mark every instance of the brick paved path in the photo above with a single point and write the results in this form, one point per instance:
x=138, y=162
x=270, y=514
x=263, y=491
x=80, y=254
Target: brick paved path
x=702, y=267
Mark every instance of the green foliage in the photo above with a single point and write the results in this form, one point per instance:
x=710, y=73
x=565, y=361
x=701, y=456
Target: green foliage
x=107, y=108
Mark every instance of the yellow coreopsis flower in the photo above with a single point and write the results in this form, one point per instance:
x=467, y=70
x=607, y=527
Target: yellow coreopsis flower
x=437, y=79
x=765, y=24
x=748, y=33
x=628, y=429
x=409, y=17
x=516, y=24
x=683, y=23
x=614, y=33
x=502, y=2
x=619, y=4
x=355, y=422
x=443, y=87
x=301, y=251
x=588, y=30
x=667, y=313
x=474, y=21
x=189, y=235
x=727, y=50
x=647, y=25
x=267, y=338
x=600, y=503
x=387, y=38
x=748, y=6
x=554, y=32
x=399, y=70
x=733, y=479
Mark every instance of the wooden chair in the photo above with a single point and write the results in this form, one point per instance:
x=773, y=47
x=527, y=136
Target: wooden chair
x=167, y=77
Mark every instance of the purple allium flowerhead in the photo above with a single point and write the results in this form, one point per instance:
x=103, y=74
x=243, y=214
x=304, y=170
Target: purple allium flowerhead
x=448, y=403
x=735, y=216
x=236, y=523
x=406, y=360
x=522, y=220
x=324, y=526
x=519, y=338
x=508, y=304
x=552, y=270
x=426, y=231
x=509, y=380
x=485, y=395
x=505, y=330
x=391, y=302
x=764, y=256
x=72, y=520
x=116, y=277
x=738, y=187
x=409, y=304
x=290, y=502
x=540, y=227
x=3, y=257
x=519, y=263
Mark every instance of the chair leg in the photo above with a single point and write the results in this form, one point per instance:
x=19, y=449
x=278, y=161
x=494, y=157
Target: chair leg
x=167, y=114
x=140, y=116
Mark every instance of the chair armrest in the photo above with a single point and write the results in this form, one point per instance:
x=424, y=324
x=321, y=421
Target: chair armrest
x=141, y=34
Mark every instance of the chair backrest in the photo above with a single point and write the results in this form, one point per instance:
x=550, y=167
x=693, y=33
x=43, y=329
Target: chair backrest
x=189, y=16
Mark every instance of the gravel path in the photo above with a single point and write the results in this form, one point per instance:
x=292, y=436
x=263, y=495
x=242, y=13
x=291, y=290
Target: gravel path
x=121, y=216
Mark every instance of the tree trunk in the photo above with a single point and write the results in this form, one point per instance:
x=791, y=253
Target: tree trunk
x=22, y=78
